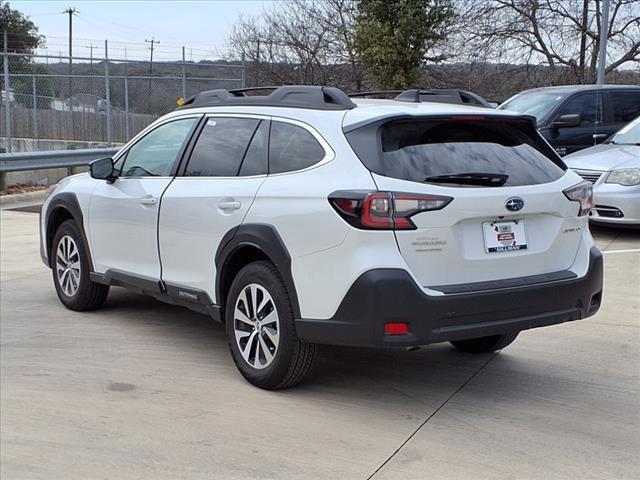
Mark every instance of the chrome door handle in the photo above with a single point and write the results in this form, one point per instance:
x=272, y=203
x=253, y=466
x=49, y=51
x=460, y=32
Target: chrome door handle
x=600, y=135
x=229, y=205
x=148, y=200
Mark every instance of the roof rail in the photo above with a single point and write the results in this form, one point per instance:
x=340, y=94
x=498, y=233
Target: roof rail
x=460, y=97
x=295, y=96
x=375, y=93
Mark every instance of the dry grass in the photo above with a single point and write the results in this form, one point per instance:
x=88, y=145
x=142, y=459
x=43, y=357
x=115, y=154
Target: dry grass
x=22, y=188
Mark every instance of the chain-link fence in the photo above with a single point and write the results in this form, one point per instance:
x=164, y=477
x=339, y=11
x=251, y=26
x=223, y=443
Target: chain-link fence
x=56, y=102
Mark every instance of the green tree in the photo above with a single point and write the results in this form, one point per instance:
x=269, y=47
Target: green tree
x=22, y=33
x=394, y=38
x=23, y=38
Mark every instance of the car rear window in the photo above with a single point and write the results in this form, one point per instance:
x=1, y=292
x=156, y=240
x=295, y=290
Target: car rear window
x=459, y=152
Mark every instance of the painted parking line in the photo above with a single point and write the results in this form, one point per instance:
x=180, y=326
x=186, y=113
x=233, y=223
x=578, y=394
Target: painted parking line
x=631, y=250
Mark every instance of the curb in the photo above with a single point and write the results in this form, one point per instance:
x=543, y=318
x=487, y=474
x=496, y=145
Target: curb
x=8, y=201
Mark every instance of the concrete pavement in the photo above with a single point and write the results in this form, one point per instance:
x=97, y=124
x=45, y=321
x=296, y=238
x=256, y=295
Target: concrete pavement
x=141, y=389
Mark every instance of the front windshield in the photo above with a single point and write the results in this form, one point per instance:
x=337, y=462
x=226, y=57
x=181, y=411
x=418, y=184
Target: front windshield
x=629, y=134
x=537, y=104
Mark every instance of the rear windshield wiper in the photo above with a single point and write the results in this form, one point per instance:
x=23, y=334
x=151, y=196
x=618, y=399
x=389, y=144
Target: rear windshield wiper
x=480, y=179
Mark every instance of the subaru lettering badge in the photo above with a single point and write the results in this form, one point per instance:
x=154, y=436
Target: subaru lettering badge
x=514, y=204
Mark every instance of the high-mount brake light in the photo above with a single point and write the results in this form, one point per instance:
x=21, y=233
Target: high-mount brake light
x=583, y=194
x=384, y=210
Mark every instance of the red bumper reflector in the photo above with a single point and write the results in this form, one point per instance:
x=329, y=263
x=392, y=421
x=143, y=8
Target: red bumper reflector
x=396, y=328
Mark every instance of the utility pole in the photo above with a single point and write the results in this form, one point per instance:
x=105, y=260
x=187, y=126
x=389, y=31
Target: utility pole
x=90, y=47
x=152, y=42
x=602, y=54
x=71, y=11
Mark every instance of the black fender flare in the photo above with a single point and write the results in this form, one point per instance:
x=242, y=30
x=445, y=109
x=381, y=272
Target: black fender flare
x=266, y=239
x=69, y=202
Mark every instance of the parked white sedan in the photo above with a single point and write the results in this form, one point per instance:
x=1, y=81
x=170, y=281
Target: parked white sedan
x=614, y=169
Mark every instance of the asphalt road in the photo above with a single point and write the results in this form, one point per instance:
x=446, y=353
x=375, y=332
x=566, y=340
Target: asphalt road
x=140, y=389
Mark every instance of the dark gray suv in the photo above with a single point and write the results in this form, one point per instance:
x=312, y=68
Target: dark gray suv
x=574, y=117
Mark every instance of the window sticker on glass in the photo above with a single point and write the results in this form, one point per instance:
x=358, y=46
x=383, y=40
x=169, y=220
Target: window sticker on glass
x=211, y=122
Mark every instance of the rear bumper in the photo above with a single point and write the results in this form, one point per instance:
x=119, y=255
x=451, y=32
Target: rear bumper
x=391, y=295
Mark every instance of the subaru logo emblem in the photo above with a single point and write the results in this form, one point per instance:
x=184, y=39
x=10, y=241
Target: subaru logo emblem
x=514, y=204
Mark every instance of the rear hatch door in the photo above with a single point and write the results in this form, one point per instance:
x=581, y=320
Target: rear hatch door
x=508, y=217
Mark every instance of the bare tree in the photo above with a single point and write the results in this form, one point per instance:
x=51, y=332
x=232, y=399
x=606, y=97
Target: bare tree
x=562, y=34
x=299, y=42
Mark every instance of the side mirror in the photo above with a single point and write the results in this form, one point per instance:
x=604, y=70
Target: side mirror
x=568, y=120
x=102, y=169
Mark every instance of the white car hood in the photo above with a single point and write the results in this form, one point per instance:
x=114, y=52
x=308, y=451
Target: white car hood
x=605, y=157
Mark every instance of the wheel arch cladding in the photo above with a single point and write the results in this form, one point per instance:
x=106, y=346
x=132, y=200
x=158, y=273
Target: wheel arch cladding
x=65, y=206
x=248, y=243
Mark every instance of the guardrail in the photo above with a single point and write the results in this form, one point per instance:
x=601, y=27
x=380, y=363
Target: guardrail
x=19, y=162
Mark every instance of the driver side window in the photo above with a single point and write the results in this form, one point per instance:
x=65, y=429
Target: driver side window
x=588, y=105
x=155, y=153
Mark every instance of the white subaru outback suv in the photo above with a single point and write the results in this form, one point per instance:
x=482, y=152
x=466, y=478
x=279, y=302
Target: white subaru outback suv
x=306, y=217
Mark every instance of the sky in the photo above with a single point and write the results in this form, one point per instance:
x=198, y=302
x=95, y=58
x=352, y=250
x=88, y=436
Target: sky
x=201, y=26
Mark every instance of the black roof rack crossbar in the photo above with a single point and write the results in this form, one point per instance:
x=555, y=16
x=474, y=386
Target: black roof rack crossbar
x=295, y=96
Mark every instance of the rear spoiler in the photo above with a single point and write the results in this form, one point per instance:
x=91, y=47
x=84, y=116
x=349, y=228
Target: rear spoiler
x=530, y=119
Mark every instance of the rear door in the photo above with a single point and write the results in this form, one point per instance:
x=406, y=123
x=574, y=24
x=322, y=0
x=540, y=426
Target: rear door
x=521, y=226
x=623, y=106
x=210, y=196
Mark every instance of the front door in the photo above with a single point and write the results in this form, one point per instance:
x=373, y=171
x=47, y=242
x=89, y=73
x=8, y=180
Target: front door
x=123, y=215
x=571, y=139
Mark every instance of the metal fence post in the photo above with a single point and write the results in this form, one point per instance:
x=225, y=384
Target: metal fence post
x=108, y=92
x=184, y=76
x=126, y=103
x=244, y=73
x=7, y=94
x=34, y=114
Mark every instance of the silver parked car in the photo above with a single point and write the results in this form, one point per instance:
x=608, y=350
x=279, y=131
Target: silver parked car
x=614, y=169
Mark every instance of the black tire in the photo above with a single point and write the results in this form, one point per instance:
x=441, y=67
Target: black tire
x=485, y=344
x=88, y=295
x=293, y=359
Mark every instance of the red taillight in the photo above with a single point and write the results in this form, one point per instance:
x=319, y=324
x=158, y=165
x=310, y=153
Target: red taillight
x=346, y=205
x=583, y=194
x=384, y=210
x=377, y=211
x=396, y=328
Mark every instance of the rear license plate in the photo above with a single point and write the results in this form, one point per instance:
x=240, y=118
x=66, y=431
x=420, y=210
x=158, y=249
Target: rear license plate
x=504, y=236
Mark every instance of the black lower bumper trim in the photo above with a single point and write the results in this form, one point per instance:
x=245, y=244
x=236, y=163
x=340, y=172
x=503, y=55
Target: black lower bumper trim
x=391, y=295
x=507, y=283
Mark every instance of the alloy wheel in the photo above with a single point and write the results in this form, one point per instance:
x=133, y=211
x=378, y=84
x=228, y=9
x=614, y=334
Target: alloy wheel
x=256, y=326
x=68, y=265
